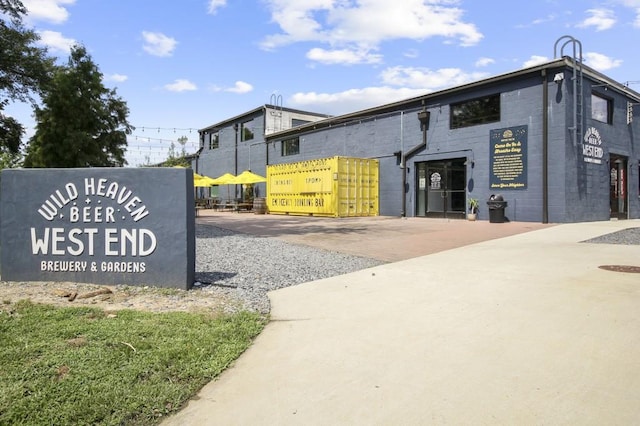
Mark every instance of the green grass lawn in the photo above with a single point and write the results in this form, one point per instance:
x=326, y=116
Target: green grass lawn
x=83, y=366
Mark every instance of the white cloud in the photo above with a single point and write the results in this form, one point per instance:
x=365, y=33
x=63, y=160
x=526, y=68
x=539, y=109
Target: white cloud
x=601, y=19
x=365, y=24
x=158, y=44
x=240, y=87
x=398, y=83
x=56, y=42
x=118, y=78
x=214, y=5
x=539, y=21
x=412, y=53
x=548, y=18
x=181, y=85
x=635, y=5
x=427, y=79
x=343, y=56
x=48, y=10
x=636, y=21
x=601, y=62
x=535, y=60
x=596, y=61
x=353, y=99
x=483, y=62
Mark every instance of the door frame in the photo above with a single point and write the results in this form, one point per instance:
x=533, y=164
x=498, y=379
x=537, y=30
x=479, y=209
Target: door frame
x=453, y=191
x=618, y=186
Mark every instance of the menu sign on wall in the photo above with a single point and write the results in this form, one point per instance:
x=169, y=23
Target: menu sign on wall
x=102, y=226
x=508, y=161
x=592, y=151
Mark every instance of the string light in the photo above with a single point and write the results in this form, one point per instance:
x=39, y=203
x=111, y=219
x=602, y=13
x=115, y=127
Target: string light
x=147, y=149
x=174, y=129
x=150, y=144
x=161, y=140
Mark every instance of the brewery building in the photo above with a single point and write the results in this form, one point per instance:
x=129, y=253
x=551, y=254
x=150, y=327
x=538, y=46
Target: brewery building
x=556, y=142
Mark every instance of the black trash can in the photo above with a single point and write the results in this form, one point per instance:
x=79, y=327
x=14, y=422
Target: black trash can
x=496, y=205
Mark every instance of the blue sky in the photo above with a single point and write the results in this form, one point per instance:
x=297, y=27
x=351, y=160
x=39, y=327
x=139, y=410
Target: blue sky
x=184, y=65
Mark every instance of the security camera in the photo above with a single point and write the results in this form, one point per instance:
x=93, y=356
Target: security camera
x=558, y=78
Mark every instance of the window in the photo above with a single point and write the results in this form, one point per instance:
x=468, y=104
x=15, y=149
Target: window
x=214, y=140
x=601, y=108
x=476, y=111
x=246, y=131
x=290, y=147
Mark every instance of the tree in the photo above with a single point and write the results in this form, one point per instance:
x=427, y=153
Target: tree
x=182, y=140
x=24, y=70
x=9, y=160
x=82, y=123
x=174, y=159
x=146, y=162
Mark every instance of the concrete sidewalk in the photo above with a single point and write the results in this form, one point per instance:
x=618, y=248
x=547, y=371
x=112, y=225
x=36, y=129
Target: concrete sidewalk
x=524, y=329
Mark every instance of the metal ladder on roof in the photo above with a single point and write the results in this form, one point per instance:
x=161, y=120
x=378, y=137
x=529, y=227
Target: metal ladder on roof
x=577, y=79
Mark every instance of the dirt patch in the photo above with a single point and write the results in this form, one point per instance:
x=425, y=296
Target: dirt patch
x=113, y=298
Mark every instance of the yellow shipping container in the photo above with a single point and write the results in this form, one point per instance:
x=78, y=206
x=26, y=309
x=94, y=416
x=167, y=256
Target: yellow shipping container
x=335, y=186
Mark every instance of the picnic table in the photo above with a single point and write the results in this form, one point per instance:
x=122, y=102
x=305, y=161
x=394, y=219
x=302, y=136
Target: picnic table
x=207, y=203
x=235, y=205
x=243, y=207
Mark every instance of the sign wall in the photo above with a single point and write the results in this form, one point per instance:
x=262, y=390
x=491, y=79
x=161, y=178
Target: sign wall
x=592, y=147
x=98, y=225
x=508, y=160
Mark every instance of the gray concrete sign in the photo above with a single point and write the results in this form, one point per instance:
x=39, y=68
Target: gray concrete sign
x=98, y=225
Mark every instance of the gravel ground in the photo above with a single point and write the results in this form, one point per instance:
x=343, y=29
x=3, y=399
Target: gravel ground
x=245, y=268
x=629, y=236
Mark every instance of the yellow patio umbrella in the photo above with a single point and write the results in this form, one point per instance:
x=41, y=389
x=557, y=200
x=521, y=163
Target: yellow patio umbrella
x=223, y=180
x=202, y=181
x=247, y=177
x=198, y=180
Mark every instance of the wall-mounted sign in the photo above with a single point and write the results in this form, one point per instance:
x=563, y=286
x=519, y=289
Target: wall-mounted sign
x=508, y=161
x=436, y=181
x=592, y=151
x=98, y=225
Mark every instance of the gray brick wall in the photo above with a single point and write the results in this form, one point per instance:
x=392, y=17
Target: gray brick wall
x=577, y=191
x=588, y=198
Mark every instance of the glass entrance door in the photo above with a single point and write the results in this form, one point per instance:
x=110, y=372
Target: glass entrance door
x=618, y=186
x=440, y=189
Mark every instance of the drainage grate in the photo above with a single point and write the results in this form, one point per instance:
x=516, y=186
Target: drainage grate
x=621, y=268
